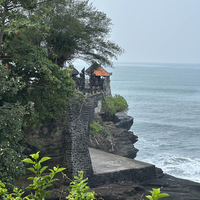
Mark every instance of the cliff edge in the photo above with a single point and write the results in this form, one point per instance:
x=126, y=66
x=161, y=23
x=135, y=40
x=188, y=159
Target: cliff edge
x=120, y=141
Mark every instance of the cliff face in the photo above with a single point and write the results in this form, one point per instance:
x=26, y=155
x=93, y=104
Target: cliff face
x=66, y=141
x=120, y=141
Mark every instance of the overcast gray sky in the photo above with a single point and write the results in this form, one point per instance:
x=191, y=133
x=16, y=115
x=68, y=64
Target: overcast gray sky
x=166, y=31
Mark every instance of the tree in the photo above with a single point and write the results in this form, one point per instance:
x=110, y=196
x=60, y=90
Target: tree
x=80, y=31
x=11, y=120
x=16, y=15
x=46, y=85
x=27, y=77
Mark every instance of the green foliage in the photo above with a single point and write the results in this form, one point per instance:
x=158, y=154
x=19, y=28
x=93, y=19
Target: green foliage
x=155, y=194
x=80, y=189
x=11, y=120
x=41, y=182
x=17, y=16
x=111, y=105
x=15, y=195
x=25, y=24
x=95, y=127
x=80, y=31
x=48, y=86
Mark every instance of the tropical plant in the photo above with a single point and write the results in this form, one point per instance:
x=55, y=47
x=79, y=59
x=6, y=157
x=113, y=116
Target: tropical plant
x=155, y=194
x=80, y=189
x=41, y=182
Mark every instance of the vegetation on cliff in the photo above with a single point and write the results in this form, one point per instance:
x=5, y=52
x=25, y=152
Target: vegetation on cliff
x=96, y=127
x=112, y=105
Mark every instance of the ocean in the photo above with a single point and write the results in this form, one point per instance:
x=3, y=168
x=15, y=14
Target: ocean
x=164, y=100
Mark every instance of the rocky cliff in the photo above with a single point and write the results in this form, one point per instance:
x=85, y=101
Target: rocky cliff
x=120, y=141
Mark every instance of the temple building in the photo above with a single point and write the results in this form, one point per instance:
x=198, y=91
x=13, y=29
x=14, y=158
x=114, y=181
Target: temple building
x=99, y=79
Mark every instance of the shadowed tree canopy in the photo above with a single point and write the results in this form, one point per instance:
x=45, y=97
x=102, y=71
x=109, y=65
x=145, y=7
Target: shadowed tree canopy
x=24, y=24
x=80, y=31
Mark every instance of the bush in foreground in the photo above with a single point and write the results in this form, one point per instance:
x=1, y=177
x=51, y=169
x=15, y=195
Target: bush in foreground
x=42, y=182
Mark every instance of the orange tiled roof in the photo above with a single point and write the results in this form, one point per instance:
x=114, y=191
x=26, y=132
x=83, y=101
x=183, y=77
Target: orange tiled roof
x=101, y=72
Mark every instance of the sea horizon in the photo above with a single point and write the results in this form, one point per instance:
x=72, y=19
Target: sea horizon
x=164, y=100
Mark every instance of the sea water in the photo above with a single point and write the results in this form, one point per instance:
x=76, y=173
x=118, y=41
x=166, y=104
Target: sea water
x=164, y=100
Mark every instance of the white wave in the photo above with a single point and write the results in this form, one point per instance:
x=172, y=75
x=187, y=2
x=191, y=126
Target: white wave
x=176, y=165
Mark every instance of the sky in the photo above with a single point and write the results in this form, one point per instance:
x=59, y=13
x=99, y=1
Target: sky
x=155, y=31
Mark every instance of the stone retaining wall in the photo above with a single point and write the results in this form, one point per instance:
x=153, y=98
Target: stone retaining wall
x=134, y=175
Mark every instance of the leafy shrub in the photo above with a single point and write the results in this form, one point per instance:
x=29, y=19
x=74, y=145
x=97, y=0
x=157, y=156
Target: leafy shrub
x=79, y=186
x=95, y=127
x=155, y=194
x=80, y=189
x=111, y=105
x=11, y=136
x=40, y=182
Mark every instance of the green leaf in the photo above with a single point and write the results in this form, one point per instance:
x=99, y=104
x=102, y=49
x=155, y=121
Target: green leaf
x=52, y=174
x=156, y=191
x=32, y=169
x=28, y=160
x=44, y=159
x=55, y=180
x=45, y=167
x=46, y=193
x=37, y=166
x=2, y=184
x=30, y=178
x=35, y=156
x=44, y=177
x=163, y=195
x=60, y=169
x=149, y=197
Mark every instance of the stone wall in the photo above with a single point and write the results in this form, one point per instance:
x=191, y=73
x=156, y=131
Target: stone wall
x=65, y=141
x=76, y=153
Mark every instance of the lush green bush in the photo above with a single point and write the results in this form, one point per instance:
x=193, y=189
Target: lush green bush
x=80, y=189
x=95, y=127
x=41, y=182
x=11, y=136
x=111, y=105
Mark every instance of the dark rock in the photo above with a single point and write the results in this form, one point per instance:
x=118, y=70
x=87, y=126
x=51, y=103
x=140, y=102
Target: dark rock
x=120, y=141
x=178, y=189
x=122, y=120
x=107, y=117
x=122, y=191
x=159, y=172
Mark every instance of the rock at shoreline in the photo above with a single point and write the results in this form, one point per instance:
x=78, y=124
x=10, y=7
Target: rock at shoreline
x=122, y=120
x=120, y=141
x=178, y=189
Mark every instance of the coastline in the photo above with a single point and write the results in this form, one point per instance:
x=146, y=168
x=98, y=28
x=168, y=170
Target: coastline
x=177, y=188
